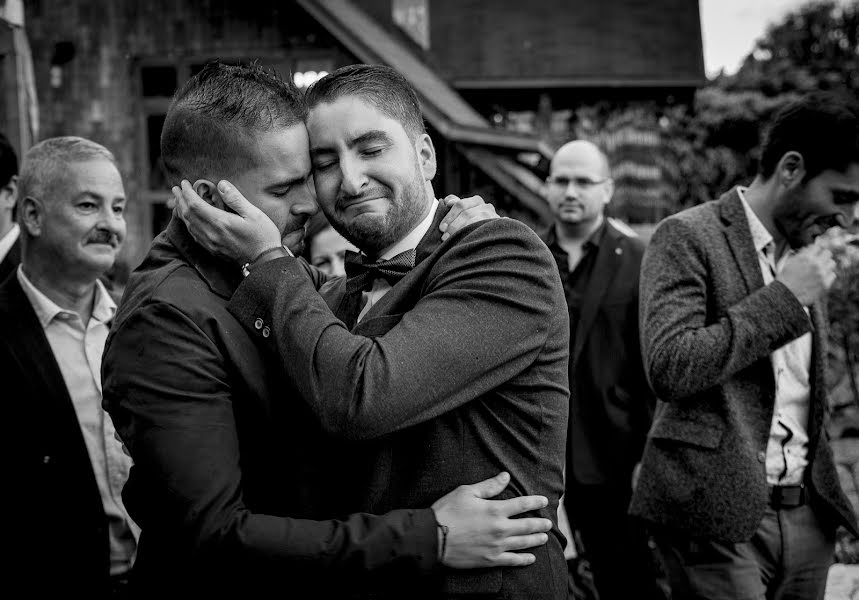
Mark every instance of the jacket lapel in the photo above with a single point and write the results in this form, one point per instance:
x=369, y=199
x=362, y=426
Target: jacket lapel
x=740, y=240
x=30, y=347
x=432, y=238
x=605, y=269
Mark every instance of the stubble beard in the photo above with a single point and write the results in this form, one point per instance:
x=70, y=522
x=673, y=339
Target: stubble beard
x=372, y=234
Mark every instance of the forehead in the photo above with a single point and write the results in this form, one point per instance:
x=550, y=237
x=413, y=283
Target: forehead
x=98, y=176
x=578, y=160
x=346, y=119
x=278, y=155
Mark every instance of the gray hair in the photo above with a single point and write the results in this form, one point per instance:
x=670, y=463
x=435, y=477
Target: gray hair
x=45, y=164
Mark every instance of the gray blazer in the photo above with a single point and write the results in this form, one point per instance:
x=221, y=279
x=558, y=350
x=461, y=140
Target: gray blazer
x=709, y=326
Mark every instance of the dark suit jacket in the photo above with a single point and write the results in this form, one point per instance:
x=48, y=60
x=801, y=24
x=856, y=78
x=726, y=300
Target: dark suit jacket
x=57, y=537
x=227, y=460
x=709, y=326
x=457, y=373
x=608, y=429
x=11, y=261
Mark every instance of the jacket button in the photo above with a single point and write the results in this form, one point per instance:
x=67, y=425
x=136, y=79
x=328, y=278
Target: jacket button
x=258, y=323
x=266, y=331
x=762, y=456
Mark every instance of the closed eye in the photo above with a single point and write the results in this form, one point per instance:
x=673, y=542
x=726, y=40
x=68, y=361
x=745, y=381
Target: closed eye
x=845, y=197
x=322, y=165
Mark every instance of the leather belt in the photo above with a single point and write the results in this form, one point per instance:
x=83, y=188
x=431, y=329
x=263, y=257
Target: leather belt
x=787, y=496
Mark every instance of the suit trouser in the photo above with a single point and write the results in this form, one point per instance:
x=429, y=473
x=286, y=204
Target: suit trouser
x=787, y=558
x=615, y=545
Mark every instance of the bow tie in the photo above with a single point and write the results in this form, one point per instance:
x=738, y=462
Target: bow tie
x=360, y=274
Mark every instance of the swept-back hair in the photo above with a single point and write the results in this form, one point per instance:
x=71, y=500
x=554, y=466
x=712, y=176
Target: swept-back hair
x=45, y=164
x=380, y=86
x=823, y=127
x=217, y=112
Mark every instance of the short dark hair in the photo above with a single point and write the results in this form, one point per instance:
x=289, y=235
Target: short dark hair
x=381, y=86
x=8, y=161
x=823, y=127
x=218, y=110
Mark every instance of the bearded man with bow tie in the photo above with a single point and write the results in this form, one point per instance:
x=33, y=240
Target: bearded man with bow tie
x=442, y=361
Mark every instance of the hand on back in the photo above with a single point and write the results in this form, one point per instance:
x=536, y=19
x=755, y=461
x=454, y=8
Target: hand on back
x=482, y=532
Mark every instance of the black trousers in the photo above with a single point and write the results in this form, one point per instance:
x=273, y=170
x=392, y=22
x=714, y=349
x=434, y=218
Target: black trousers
x=616, y=546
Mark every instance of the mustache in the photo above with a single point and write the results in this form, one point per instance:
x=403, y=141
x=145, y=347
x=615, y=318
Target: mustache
x=344, y=200
x=104, y=237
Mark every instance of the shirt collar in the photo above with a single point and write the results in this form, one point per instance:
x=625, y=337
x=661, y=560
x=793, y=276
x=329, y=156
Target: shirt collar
x=414, y=237
x=594, y=239
x=46, y=309
x=760, y=236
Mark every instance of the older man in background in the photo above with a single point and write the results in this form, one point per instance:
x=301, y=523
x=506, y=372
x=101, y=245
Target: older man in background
x=69, y=531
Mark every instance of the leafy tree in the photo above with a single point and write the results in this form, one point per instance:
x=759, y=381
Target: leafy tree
x=813, y=48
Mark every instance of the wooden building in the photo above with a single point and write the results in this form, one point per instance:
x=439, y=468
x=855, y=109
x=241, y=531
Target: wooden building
x=106, y=69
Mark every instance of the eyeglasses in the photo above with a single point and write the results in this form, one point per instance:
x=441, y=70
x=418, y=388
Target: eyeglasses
x=582, y=183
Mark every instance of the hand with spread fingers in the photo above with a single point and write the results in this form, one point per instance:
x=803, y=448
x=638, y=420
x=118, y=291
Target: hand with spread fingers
x=464, y=212
x=238, y=233
x=482, y=532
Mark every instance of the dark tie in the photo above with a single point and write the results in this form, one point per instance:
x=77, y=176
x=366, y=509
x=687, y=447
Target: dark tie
x=360, y=274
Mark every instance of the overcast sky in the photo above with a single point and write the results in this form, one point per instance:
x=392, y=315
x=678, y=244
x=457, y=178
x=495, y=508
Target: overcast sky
x=730, y=28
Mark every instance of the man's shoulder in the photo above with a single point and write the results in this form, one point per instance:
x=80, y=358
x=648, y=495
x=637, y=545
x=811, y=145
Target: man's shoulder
x=701, y=221
x=499, y=232
x=172, y=283
x=706, y=212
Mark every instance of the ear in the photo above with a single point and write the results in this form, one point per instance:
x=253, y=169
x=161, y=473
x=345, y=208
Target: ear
x=609, y=190
x=9, y=192
x=208, y=191
x=31, y=215
x=426, y=156
x=791, y=170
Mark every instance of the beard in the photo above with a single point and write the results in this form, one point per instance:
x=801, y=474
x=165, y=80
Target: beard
x=372, y=233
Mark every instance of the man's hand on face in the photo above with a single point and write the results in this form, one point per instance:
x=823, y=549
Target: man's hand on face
x=464, y=211
x=808, y=274
x=238, y=237
x=481, y=532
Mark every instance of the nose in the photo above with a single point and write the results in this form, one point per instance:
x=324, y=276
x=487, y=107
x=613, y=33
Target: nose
x=352, y=176
x=848, y=216
x=305, y=205
x=112, y=221
x=572, y=190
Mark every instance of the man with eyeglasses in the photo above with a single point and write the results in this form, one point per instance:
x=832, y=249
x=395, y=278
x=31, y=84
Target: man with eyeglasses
x=610, y=401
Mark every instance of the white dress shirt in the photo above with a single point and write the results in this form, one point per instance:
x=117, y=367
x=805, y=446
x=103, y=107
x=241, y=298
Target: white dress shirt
x=787, y=449
x=8, y=240
x=380, y=284
x=78, y=350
